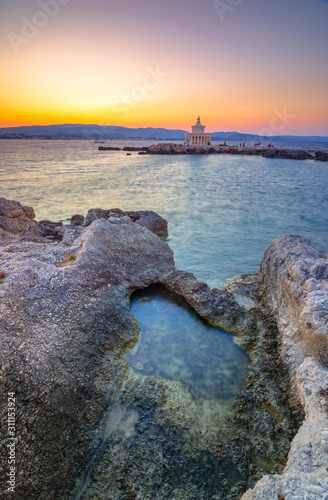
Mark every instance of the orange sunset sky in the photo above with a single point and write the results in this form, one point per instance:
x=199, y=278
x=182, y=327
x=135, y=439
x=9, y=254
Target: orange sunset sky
x=240, y=64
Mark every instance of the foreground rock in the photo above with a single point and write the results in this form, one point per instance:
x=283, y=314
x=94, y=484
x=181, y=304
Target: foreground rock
x=85, y=427
x=295, y=280
x=295, y=287
x=65, y=316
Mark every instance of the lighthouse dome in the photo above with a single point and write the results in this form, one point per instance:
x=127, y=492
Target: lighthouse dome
x=198, y=128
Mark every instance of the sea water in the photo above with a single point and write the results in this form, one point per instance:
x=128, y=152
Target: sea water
x=175, y=343
x=222, y=210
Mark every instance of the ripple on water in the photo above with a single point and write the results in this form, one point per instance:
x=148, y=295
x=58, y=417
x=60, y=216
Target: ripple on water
x=175, y=343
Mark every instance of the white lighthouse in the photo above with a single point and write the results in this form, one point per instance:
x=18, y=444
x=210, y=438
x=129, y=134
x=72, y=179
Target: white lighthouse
x=198, y=136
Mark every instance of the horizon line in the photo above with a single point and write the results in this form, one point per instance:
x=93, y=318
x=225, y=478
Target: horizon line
x=161, y=128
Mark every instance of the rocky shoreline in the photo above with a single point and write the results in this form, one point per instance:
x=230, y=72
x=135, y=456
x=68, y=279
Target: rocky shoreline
x=88, y=427
x=272, y=152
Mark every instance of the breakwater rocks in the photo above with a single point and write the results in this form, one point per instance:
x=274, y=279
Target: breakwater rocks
x=179, y=149
x=294, y=154
x=88, y=427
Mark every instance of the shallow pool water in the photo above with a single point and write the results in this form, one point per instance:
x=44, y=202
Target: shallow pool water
x=177, y=344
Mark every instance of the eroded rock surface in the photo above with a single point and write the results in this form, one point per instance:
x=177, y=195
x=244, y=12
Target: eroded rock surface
x=295, y=287
x=295, y=283
x=65, y=317
x=305, y=475
x=85, y=428
x=16, y=219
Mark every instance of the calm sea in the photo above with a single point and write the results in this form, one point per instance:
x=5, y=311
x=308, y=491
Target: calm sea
x=223, y=211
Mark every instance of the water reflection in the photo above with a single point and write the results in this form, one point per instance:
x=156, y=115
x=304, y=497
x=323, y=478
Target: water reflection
x=177, y=344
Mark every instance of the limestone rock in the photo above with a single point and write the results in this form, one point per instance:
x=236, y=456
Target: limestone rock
x=305, y=475
x=295, y=278
x=147, y=219
x=295, y=289
x=150, y=220
x=17, y=219
x=60, y=329
x=98, y=213
x=65, y=319
x=270, y=153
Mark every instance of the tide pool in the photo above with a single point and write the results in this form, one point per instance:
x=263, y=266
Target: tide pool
x=175, y=343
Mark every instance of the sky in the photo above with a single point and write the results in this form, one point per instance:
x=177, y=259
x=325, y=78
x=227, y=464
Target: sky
x=253, y=66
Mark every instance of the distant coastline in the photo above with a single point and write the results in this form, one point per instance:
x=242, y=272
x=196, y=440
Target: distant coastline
x=100, y=133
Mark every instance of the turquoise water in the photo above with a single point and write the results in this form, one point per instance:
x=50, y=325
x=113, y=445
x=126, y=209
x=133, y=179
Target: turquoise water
x=177, y=344
x=223, y=211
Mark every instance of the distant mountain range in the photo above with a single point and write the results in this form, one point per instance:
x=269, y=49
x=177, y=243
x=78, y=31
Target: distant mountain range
x=99, y=132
